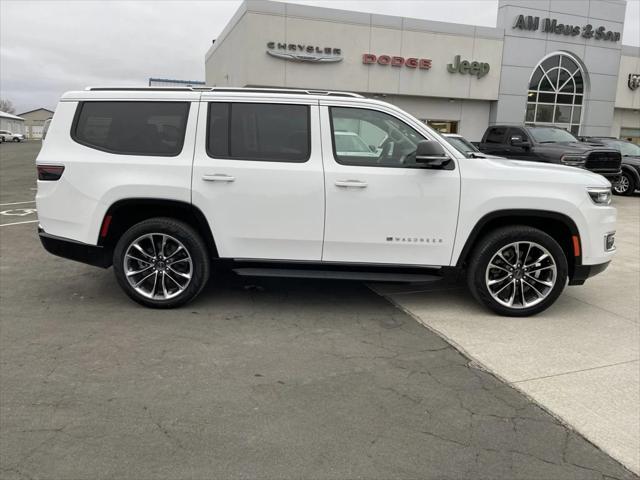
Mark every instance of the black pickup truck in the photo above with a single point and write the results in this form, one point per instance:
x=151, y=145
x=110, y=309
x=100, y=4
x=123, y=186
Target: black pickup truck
x=551, y=145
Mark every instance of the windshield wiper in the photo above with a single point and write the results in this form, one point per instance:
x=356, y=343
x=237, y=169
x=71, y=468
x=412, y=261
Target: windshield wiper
x=549, y=141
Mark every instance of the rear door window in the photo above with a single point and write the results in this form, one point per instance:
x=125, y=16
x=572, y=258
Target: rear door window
x=259, y=131
x=132, y=128
x=496, y=135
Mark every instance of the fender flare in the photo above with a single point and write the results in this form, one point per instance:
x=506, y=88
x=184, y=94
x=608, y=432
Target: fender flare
x=195, y=216
x=473, y=237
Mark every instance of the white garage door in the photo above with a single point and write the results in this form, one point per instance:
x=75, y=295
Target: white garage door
x=36, y=131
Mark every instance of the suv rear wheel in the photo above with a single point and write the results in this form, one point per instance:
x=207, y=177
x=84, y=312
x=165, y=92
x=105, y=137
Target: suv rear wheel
x=161, y=263
x=517, y=271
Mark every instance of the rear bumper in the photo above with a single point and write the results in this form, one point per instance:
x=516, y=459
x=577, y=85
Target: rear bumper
x=78, y=251
x=582, y=272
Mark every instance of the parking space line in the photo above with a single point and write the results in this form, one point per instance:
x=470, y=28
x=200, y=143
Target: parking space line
x=16, y=203
x=17, y=223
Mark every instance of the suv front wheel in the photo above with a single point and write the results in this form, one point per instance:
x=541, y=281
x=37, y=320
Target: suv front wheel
x=161, y=263
x=625, y=185
x=517, y=271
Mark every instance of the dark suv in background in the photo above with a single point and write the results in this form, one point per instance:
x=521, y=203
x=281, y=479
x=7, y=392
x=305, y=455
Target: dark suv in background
x=629, y=180
x=551, y=145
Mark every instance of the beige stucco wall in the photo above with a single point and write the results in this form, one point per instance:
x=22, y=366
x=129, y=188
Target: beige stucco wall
x=472, y=115
x=625, y=118
x=241, y=59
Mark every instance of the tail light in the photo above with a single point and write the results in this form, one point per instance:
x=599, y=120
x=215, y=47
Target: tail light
x=50, y=172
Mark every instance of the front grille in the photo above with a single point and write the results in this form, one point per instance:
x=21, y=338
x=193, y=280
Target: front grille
x=604, y=161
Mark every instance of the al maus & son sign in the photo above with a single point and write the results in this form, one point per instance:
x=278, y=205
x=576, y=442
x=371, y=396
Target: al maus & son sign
x=551, y=25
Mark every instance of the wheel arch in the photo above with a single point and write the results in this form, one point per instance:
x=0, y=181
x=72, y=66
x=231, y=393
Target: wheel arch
x=559, y=226
x=125, y=213
x=633, y=172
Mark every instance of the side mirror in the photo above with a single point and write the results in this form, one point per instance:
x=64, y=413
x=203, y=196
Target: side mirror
x=431, y=154
x=518, y=141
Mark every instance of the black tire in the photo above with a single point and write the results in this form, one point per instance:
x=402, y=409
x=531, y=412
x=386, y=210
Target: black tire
x=16, y=139
x=626, y=185
x=494, y=242
x=191, y=242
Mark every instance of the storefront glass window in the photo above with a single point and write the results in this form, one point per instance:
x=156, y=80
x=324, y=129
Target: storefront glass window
x=443, y=126
x=555, y=93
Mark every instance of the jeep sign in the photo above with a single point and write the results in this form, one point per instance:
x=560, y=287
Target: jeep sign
x=479, y=69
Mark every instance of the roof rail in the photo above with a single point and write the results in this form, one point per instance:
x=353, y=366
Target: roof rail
x=298, y=91
x=147, y=89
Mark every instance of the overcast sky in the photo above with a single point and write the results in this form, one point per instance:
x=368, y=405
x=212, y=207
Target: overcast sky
x=48, y=47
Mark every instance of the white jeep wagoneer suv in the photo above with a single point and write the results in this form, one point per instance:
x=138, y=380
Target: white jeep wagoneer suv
x=160, y=183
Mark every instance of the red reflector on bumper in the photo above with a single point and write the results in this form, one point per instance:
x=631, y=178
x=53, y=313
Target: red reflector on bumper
x=576, y=245
x=105, y=226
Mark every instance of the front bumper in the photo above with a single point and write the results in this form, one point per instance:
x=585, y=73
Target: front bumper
x=608, y=174
x=582, y=272
x=78, y=251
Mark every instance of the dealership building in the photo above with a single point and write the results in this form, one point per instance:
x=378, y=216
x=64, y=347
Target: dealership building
x=546, y=62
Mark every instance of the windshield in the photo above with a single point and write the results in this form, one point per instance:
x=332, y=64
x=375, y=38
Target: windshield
x=350, y=143
x=628, y=149
x=462, y=145
x=551, y=135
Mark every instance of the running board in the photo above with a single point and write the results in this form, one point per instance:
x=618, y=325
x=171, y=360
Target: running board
x=338, y=275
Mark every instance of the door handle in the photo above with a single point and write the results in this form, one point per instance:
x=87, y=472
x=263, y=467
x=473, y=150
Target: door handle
x=351, y=184
x=218, y=177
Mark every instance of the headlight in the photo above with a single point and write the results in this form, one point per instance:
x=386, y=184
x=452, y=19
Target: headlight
x=600, y=196
x=574, y=160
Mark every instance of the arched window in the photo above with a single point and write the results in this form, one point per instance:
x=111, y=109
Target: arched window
x=555, y=94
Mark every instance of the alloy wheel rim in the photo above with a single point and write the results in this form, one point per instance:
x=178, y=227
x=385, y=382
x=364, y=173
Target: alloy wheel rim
x=521, y=275
x=158, y=266
x=622, y=185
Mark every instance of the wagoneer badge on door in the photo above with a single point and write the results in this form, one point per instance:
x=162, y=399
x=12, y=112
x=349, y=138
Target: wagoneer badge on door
x=304, y=53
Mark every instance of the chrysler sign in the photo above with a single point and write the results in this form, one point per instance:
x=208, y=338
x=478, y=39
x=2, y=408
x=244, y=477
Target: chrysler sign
x=297, y=52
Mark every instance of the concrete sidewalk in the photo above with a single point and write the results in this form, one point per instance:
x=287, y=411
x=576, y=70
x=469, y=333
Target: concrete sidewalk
x=579, y=359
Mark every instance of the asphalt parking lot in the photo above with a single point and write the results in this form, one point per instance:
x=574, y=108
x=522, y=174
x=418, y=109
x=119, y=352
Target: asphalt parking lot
x=255, y=379
x=580, y=359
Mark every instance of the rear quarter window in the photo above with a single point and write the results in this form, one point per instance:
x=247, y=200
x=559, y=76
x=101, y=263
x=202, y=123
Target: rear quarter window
x=132, y=128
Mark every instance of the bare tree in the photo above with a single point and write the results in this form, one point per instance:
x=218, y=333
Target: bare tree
x=6, y=106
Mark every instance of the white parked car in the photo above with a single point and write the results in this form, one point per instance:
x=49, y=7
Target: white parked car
x=160, y=183
x=7, y=136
